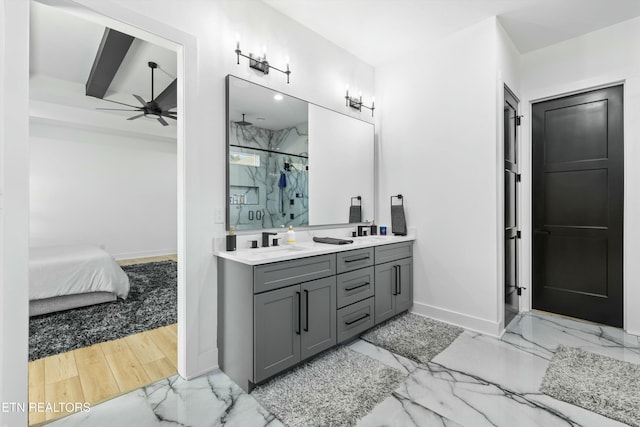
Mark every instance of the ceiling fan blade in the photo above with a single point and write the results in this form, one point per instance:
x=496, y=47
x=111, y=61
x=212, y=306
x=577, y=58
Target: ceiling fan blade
x=115, y=109
x=163, y=121
x=139, y=98
x=170, y=114
x=121, y=103
x=136, y=117
x=168, y=99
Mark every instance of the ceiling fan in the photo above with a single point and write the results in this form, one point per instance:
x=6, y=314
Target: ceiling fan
x=158, y=107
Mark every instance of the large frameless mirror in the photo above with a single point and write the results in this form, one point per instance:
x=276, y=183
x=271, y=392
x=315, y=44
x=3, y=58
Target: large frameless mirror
x=291, y=162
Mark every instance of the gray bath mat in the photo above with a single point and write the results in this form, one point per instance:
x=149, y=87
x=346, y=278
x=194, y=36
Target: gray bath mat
x=335, y=389
x=598, y=383
x=414, y=337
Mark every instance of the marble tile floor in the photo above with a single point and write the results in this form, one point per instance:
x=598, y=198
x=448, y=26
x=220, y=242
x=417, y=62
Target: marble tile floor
x=477, y=381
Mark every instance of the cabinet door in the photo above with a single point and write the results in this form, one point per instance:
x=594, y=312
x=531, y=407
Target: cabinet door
x=385, y=284
x=404, y=298
x=318, y=315
x=276, y=331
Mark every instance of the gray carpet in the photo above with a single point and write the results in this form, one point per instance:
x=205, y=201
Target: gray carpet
x=335, y=389
x=607, y=386
x=414, y=337
x=152, y=303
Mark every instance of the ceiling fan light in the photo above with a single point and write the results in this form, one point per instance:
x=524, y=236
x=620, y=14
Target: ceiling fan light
x=152, y=116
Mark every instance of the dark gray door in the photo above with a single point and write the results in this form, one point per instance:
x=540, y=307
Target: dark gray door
x=511, y=178
x=276, y=329
x=404, y=297
x=578, y=205
x=318, y=315
x=385, y=289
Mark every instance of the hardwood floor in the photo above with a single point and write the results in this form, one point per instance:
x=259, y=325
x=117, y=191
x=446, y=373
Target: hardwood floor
x=148, y=259
x=102, y=371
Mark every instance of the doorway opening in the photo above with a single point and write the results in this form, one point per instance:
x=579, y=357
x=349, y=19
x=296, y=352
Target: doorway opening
x=103, y=188
x=578, y=202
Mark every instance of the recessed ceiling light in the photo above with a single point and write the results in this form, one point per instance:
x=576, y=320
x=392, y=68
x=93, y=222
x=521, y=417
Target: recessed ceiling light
x=277, y=97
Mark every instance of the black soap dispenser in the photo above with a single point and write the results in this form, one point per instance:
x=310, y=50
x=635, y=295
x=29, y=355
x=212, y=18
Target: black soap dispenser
x=374, y=229
x=231, y=240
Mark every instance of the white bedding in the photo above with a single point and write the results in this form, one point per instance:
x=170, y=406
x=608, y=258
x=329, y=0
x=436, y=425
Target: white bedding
x=65, y=270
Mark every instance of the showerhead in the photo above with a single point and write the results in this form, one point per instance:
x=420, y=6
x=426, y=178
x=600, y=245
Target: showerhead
x=243, y=122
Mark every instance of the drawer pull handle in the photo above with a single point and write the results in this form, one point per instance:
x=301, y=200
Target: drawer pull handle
x=357, y=286
x=357, y=259
x=364, y=316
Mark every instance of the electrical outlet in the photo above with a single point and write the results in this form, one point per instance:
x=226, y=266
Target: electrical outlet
x=219, y=216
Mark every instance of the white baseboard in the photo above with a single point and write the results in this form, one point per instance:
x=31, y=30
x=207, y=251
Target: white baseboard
x=207, y=363
x=144, y=254
x=487, y=327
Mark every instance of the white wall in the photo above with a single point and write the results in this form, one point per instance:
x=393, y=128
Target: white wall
x=106, y=189
x=600, y=58
x=207, y=30
x=14, y=232
x=437, y=147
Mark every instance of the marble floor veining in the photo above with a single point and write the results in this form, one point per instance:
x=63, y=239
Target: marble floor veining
x=478, y=380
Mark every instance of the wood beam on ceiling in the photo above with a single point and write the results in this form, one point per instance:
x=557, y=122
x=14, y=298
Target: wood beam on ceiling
x=113, y=48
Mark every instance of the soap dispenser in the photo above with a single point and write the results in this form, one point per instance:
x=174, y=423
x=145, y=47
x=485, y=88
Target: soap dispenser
x=291, y=235
x=231, y=240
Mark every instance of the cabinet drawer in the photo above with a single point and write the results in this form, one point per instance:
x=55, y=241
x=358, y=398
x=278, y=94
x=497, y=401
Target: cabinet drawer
x=355, y=286
x=355, y=319
x=392, y=252
x=352, y=260
x=280, y=274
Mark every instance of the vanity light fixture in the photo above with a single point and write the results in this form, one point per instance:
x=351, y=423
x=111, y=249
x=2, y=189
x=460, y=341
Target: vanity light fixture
x=259, y=63
x=356, y=103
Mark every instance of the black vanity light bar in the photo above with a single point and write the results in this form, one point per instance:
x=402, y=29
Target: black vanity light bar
x=260, y=64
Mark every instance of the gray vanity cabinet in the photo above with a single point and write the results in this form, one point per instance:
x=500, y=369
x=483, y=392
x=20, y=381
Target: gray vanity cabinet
x=274, y=315
x=318, y=316
x=292, y=324
x=277, y=331
x=393, y=282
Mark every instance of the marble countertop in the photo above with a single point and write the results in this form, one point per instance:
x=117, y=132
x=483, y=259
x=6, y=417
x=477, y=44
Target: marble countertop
x=305, y=249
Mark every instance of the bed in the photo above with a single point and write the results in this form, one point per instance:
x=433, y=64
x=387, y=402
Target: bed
x=65, y=277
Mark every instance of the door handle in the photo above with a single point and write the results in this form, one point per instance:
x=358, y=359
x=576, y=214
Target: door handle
x=298, y=329
x=356, y=287
x=399, y=281
x=395, y=284
x=306, y=314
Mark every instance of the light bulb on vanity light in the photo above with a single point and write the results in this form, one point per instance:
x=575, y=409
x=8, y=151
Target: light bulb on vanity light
x=237, y=41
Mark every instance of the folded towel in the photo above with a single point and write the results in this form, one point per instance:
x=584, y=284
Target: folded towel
x=398, y=223
x=282, y=182
x=332, y=240
x=355, y=213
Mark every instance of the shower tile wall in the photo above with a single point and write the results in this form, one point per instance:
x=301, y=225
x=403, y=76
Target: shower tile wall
x=256, y=199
